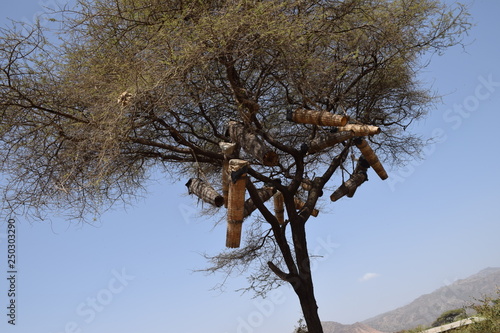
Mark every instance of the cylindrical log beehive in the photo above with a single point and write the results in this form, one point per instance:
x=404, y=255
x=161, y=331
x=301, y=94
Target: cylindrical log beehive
x=299, y=204
x=279, y=207
x=361, y=167
x=251, y=144
x=225, y=180
x=233, y=235
x=360, y=129
x=264, y=194
x=228, y=148
x=372, y=158
x=236, y=202
x=330, y=140
x=321, y=118
x=349, y=186
x=306, y=184
x=205, y=192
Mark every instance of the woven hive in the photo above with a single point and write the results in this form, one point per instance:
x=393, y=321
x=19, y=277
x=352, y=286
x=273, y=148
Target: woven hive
x=299, y=204
x=205, y=192
x=236, y=202
x=321, y=118
x=251, y=144
x=225, y=181
x=323, y=142
x=264, y=194
x=279, y=209
x=372, y=158
x=360, y=129
x=350, y=186
x=229, y=150
x=306, y=184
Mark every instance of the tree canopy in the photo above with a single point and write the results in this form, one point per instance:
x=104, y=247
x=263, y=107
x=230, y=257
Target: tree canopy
x=188, y=67
x=136, y=87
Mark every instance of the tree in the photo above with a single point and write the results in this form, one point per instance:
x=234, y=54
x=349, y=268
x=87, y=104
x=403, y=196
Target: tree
x=133, y=87
x=301, y=328
x=450, y=316
x=487, y=315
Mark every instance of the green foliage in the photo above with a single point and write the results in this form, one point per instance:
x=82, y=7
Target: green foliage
x=302, y=327
x=487, y=316
x=449, y=317
x=417, y=329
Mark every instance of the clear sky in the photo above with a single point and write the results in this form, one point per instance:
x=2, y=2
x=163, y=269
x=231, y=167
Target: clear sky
x=430, y=223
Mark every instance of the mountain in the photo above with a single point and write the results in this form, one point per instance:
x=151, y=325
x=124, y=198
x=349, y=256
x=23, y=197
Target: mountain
x=333, y=327
x=426, y=308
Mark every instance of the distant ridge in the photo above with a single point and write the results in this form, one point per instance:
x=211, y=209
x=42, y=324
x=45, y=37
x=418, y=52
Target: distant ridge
x=333, y=327
x=426, y=308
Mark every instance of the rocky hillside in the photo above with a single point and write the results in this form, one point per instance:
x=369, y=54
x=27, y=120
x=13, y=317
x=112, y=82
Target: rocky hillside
x=333, y=327
x=425, y=309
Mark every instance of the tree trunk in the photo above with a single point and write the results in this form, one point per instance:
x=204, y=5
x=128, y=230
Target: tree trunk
x=303, y=283
x=305, y=292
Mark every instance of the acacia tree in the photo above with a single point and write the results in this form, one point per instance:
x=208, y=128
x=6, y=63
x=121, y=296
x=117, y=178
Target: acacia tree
x=287, y=89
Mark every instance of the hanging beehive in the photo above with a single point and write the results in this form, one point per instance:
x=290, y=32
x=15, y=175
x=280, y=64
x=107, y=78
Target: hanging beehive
x=205, y=192
x=360, y=129
x=251, y=144
x=361, y=167
x=264, y=194
x=306, y=184
x=323, y=142
x=372, y=158
x=225, y=180
x=125, y=99
x=236, y=201
x=228, y=149
x=350, y=186
x=321, y=118
x=299, y=204
x=279, y=209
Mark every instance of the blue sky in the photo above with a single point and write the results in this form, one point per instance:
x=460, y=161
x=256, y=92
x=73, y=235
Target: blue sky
x=432, y=222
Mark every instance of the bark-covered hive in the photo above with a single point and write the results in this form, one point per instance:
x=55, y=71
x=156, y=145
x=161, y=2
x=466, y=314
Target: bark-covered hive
x=236, y=201
x=372, y=158
x=251, y=144
x=205, y=192
x=321, y=118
